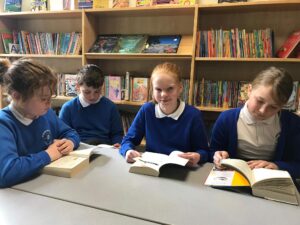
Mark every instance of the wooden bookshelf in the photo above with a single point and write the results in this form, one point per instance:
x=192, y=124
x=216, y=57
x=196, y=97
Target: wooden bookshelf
x=281, y=16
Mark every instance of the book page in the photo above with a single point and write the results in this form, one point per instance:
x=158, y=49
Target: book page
x=175, y=159
x=239, y=165
x=66, y=162
x=261, y=174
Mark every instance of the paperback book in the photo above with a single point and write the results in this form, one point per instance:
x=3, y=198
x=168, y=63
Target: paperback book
x=131, y=43
x=140, y=89
x=270, y=184
x=12, y=5
x=162, y=44
x=71, y=81
x=150, y=163
x=105, y=44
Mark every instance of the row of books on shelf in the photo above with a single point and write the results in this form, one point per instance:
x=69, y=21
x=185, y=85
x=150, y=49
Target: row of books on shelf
x=117, y=88
x=235, y=43
x=24, y=42
x=232, y=94
x=139, y=43
x=55, y=5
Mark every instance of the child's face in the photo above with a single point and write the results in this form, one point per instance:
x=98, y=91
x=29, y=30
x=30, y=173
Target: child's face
x=261, y=105
x=90, y=94
x=37, y=105
x=166, y=91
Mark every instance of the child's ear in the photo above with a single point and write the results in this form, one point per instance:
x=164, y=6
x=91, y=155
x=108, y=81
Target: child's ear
x=78, y=88
x=16, y=96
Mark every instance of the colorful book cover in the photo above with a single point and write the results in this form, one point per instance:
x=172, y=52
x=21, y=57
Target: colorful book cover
x=186, y=2
x=162, y=44
x=163, y=2
x=139, y=89
x=12, y=5
x=141, y=3
x=120, y=3
x=69, y=4
x=38, y=5
x=100, y=4
x=243, y=93
x=114, y=88
x=132, y=43
x=7, y=39
x=289, y=45
x=71, y=81
x=85, y=4
x=105, y=44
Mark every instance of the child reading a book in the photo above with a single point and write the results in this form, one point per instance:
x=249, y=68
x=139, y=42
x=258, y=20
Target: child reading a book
x=261, y=132
x=167, y=123
x=92, y=115
x=31, y=134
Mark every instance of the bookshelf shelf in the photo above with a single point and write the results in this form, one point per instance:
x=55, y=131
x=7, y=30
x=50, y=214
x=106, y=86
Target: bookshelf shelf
x=41, y=56
x=137, y=56
x=287, y=60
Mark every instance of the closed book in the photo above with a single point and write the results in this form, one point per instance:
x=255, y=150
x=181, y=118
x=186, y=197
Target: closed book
x=289, y=45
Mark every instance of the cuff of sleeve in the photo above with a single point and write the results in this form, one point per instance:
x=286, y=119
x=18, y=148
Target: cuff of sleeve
x=203, y=156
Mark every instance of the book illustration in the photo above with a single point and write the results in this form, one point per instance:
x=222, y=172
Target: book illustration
x=12, y=5
x=68, y=4
x=163, y=2
x=140, y=89
x=270, y=184
x=71, y=81
x=85, y=4
x=75, y=161
x=38, y=5
x=243, y=93
x=114, y=88
x=142, y=3
x=100, y=4
x=105, y=44
x=292, y=102
x=289, y=45
x=131, y=43
x=150, y=163
x=162, y=44
x=120, y=3
x=14, y=48
x=7, y=39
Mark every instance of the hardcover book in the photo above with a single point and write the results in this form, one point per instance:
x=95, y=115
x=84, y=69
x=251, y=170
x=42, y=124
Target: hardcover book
x=162, y=44
x=71, y=81
x=139, y=89
x=119, y=3
x=105, y=44
x=38, y=5
x=132, y=43
x=270, y=184
x=150, y=163
x=12, y=5
x=100, y=4
x=289, y=45
x=85, y=4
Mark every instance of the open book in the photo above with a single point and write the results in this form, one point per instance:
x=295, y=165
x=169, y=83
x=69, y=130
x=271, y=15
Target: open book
x=150, y=163
x=71, y=164
x=271, y=184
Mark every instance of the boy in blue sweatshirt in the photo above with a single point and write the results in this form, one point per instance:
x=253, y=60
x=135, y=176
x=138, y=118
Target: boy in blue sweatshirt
x=167, y=123
x=31, y=135
x=93, y=116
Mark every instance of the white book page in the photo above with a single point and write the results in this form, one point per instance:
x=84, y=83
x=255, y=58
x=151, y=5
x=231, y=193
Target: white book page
x=220, y=178
x=175, y=159
x=263, y=174
x=154, y=158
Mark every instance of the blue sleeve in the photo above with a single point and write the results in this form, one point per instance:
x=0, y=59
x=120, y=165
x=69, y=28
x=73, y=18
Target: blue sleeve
x=65, y=114
x=64, y=131
x=116, y=126
x=199, y=138
x=135, y=133
x=14, y=168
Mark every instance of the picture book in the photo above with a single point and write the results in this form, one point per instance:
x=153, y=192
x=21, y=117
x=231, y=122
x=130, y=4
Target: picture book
x=38, y=5
x=162, y=44
x=100, y=4
x=140, y=3
x=163, y=2
x=243, y=93
x=7, y=38
x=69, y=4
x=74, y=162
x=132, y=43
x=270, y=184
x=289, y=45
x=55, y=5
x=105, y=44
x=71, y=81
x=114, y=88
x=119, y=3
x=85, y=4
x=14, y=48
x=139, y=89
x=150, y=163
x=12, y=5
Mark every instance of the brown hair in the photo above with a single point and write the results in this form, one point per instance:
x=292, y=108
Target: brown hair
x=91, y=75
x=26, y=76
x=280, y=80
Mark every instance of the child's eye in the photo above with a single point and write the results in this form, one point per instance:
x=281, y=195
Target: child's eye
x=158, y=89
x=170, y=89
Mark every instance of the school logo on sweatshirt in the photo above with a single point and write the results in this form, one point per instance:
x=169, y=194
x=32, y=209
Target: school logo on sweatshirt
x=47, y=137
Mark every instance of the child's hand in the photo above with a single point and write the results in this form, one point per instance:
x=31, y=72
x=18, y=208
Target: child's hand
x=116, y=145
x=53, y=152
x=64, y=146
x=262, y=164
x=131, y=154
x=218, y=156
x=193, y=158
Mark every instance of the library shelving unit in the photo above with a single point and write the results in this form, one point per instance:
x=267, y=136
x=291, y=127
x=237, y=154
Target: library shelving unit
x=281, y=16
